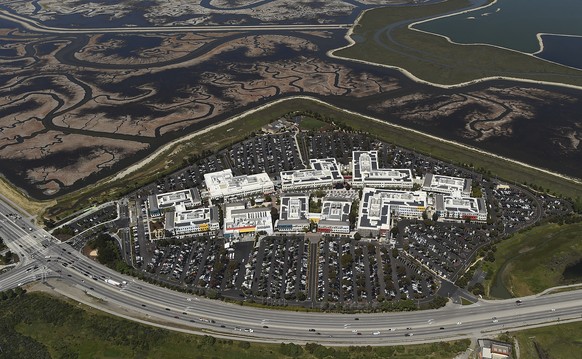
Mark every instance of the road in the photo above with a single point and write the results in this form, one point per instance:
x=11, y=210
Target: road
x=36, y=26
x=62, y=264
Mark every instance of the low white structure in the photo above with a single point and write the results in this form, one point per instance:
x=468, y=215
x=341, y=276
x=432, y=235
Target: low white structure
x=158, y=203
x=335, y=216
x=197, y=221
x=366, y=172
x=293, y=213
x=379, y=206
x=223, y=184
x=323, y=173
x=239, y=220
x=460, y=208
x=455, y=186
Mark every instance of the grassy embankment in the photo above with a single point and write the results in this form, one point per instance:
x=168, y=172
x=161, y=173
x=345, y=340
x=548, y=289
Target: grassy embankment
x=534, y=260
x=177, y=155
x=40, y=326
x=29, y=205
x=561, y=341
x=434, y=59
x=169, y=160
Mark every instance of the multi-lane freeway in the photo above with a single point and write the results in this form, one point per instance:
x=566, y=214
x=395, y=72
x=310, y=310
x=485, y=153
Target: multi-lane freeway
x=44, y=257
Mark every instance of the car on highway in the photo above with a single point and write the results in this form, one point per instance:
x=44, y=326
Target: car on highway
x=495, y=320
x=408, y=334
x=376, y=333
x=518, y=302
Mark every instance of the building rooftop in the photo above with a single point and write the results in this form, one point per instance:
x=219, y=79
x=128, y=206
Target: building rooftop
x=447, y=184
x=336, y=209
x=322, y=172
x=294, y=206
x=366, y=171
x=189, y=197
x=224, y=184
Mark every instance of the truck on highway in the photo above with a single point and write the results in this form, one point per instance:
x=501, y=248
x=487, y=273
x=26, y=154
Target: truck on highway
x=114, y=282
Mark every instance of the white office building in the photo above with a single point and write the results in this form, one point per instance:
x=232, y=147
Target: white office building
x=293, y=213
x=197, y=221
x=460, y=208
x=379, y=206
x=239, y=220
x=223, y=184
x=454, y=186
x=335, y=216
x=323, y=173
x=366, y=172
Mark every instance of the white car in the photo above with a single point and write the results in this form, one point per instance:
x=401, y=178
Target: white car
x=459, y=323
x=376, y=333
x=495, y=320
x=354, y=331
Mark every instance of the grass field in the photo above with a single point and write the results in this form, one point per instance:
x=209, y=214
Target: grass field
x=535, y=259
x=312, y=124
x=432, y=58
x=561, y=341
x=40, y=326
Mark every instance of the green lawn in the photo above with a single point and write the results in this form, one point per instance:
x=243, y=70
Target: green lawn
x=535, y=259
x=40, y=326
x=561, y=341
x=432, y=58
x=312, y=124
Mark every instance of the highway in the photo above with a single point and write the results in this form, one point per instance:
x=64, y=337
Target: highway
x=44, y=257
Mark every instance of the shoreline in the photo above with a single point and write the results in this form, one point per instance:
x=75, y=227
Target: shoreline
x=532, y=54
x=411, y=76
x=166, y=147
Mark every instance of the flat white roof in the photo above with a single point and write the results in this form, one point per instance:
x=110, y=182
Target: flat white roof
x=294, y=207
x=366, y=170
x=322, y=172
x=336, y=209
x=375, y=206
x=224, y=184
x=446, y=184
x=467, y=205
x=170, y=199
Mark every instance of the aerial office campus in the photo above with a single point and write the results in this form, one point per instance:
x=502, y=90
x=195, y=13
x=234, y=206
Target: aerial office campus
x=387, y=195
x=382, y=172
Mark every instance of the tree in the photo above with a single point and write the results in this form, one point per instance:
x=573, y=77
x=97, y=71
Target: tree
x=208, y=340
x=291, y=350
x=346, y=260
x=357, y=236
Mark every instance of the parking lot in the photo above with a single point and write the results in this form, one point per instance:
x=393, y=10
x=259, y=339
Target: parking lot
x=343, y=272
